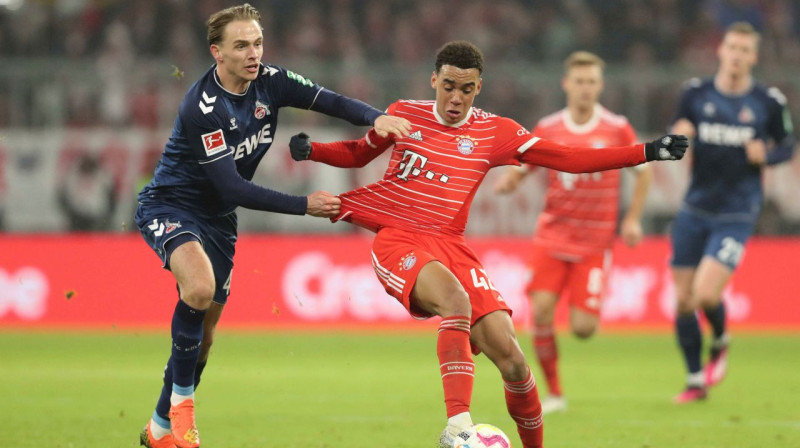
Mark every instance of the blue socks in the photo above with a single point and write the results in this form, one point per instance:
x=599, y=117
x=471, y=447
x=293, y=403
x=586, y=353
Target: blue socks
x=187, y=335
x=690, y=340
x=716, y=317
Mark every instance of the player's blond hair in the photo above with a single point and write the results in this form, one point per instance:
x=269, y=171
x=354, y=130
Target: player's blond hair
x=743, y=28
x=583, y=59
x=217, y=22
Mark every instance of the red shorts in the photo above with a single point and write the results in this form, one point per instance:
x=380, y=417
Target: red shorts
x=398, y=256
x=582, y=279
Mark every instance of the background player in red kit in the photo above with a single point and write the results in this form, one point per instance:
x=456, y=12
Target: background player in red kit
x=575, y=232
x=419, y=211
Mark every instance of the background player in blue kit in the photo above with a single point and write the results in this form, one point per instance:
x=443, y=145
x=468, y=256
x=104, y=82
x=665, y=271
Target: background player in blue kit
x=732, y=119
x=187, y=212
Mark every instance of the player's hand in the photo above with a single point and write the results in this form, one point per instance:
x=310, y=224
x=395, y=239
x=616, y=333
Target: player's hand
x=668, y=147
x=756, y=152
x=300, y=146
x=389, y=124
x=323, y=204
x=631, y=231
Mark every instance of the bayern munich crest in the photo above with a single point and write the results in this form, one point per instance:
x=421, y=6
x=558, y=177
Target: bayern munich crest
x=261, y=110
x=408, y=261
x=465, y=145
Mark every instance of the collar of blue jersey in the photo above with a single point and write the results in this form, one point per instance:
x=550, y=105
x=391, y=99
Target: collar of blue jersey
x=235, y=95
x=729, y=94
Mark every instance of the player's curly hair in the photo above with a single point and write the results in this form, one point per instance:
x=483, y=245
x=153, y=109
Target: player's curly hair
x=217, y=22
x=461, y=54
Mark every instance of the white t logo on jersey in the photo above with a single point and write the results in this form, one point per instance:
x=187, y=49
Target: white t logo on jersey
x=408, y=164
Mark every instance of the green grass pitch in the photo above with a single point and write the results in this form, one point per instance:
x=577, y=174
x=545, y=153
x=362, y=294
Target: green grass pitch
x=359, y=390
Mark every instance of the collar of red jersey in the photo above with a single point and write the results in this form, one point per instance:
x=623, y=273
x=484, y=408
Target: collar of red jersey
x=454, y=125
x=589, y=126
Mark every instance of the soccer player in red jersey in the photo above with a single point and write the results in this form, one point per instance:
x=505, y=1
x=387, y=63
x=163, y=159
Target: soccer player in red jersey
x=419, y=211
x=571, y=252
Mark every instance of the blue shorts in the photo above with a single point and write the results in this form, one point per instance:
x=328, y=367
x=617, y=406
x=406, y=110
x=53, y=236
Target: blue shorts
x=696, y=235
x=165, y=228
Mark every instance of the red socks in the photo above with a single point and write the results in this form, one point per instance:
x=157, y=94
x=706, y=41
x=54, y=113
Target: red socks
x=455, y=363
x=522, y=400
x=544, y=343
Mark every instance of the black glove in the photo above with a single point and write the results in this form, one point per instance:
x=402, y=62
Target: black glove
x=300, y=146
x=668, y=147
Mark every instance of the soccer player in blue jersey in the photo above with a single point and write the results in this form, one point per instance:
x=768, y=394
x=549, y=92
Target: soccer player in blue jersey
x=739, y=126
x=187, y=212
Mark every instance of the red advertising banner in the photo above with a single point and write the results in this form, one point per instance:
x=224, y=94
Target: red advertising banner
x=317, y=281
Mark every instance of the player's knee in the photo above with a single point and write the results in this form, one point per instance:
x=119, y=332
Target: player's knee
x=514, y=368
x=543, y=308
x=584, y=330
x=707, y=299
x=198, y=294
x=455, y=302
x=685, y=302
x=686, y=306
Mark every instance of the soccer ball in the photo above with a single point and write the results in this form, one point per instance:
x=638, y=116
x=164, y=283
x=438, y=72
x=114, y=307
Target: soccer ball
x=486, y=436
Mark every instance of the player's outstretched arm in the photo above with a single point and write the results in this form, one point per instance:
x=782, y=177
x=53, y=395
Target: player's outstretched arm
x=342, y=154
x=323, y=205
x=510, y=179
x=234, y=189
x=588, y=159
x=359, y=113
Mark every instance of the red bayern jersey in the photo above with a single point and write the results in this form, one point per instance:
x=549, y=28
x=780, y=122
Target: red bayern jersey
x=434, y=172
x=580, y=212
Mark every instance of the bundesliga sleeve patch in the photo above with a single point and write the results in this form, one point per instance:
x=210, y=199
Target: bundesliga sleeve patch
x=214, y=142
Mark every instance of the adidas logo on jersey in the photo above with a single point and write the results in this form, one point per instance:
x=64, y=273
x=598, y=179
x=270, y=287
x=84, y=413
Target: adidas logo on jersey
x=416, y=136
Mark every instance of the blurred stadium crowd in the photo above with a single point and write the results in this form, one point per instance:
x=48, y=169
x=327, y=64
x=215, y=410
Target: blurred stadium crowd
x=125, y=65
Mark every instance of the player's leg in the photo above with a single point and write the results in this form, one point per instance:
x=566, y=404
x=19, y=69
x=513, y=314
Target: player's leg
x=548, y=277
x=437, y=291
x=689, y=235
x=710, y=280
x=546, y=347
x=723, y=253
x=209, y=331
x=195, y=276
x=174, y=413
x=409, y=268
x=493, y=334
x=690, y=339
x=169, y=231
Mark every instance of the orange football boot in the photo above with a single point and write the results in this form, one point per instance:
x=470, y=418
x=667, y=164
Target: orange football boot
x=184, y=429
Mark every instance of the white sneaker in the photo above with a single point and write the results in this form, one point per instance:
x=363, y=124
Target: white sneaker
x=452, y=436
x=553, y=403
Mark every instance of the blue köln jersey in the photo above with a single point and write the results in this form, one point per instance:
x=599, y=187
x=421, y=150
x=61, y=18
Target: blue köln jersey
x=723, y=181
x=214, y=123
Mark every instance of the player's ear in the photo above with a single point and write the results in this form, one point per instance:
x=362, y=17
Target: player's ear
x=478, y=87
x=215, y=53
x=433, y=80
